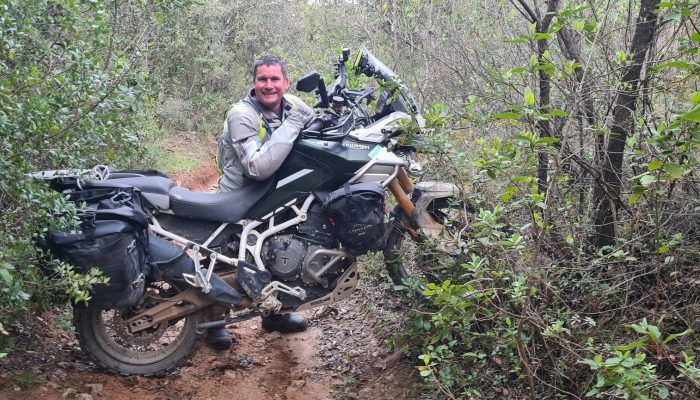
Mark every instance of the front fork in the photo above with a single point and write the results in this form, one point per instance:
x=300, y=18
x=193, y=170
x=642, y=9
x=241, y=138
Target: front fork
x=419, y=220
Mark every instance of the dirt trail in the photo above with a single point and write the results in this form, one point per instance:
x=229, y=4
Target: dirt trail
x=259, y=366
x=338, y=357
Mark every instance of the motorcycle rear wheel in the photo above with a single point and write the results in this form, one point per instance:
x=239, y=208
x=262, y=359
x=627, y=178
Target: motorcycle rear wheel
x=413, y=261
x=104, y=337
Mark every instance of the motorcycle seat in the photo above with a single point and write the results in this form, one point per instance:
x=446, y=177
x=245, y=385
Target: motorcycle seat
x=219, y=207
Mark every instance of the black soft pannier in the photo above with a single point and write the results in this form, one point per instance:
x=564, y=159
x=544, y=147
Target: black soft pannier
x=358, y=212
x=114, y=239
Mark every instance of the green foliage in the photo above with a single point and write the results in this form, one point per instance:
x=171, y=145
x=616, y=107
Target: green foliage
x=625, y=376
x=628, y=375
x=466, y=330
x=76, y=285
x=63, y=320
x=533, y=302
x=26, y=380
x=689, y=369
x=71, y=85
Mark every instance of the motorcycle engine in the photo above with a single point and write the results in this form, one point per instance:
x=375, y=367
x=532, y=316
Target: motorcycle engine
x=284, y=254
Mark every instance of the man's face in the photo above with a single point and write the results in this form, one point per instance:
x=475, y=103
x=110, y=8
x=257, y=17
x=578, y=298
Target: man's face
x=270, y=85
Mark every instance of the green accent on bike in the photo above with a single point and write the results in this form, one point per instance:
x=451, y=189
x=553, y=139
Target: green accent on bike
x=375, y=151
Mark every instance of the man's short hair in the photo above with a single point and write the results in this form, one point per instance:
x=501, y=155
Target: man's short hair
x=268, y=61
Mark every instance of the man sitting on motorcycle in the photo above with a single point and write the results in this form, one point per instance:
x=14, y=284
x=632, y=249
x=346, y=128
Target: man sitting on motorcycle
x=258, y=135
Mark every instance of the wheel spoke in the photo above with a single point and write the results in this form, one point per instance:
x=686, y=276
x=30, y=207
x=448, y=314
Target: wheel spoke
x=106, y=337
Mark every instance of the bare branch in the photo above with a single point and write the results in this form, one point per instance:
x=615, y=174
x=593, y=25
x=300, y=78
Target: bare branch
x=528, y=14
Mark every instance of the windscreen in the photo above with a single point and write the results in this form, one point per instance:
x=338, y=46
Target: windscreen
x=387, y=74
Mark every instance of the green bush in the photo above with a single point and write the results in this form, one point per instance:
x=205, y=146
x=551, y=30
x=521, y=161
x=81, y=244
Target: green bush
x=70, y=89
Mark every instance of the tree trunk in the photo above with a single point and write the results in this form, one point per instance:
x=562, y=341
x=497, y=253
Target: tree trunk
x=544, y=126
x=605, y=196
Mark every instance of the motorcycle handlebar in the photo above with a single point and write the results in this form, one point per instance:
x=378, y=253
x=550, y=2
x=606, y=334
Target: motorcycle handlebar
x=314, y=127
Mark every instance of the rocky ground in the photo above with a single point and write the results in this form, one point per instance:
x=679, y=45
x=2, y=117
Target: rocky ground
x=343, y=354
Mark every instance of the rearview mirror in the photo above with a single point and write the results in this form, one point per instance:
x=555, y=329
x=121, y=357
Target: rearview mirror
x=309, y=82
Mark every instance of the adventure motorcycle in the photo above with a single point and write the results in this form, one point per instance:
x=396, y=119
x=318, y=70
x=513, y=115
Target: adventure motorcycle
x=283, y=245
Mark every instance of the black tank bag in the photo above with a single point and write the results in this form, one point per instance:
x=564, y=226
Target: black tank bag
x=114, y=239
x=358, y=213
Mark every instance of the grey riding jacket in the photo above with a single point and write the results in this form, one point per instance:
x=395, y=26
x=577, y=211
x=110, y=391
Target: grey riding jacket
x=253, y=146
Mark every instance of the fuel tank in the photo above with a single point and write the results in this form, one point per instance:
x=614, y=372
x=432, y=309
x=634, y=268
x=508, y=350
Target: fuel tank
x=314, y=165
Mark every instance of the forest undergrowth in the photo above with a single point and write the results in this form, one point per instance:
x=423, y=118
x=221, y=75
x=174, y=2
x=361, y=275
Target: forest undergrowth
x=571, y=128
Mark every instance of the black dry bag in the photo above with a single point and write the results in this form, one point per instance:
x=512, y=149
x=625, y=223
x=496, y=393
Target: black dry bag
x=114, y=239
x=358, y=212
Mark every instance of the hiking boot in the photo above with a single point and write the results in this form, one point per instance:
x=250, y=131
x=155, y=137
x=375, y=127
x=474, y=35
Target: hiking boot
x=219, y=338
x=285, y=323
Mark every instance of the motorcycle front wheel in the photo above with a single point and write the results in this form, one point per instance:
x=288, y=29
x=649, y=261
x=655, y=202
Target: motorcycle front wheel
x=414, y=262
x=105, y=338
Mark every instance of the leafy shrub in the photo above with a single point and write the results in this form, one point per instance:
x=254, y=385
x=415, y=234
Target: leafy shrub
x=70, y=90
x=537, y=306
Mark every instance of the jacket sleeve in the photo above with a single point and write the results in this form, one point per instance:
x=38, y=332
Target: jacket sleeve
x=261, y=160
